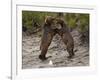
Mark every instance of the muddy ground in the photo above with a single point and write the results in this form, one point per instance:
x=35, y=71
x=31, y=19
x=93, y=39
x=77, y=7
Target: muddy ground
x=57, y=51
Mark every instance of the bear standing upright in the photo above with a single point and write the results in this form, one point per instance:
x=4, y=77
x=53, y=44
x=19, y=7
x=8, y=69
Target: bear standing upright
x=51, y=27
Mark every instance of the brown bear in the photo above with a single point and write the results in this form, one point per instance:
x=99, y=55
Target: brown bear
x=51, y=27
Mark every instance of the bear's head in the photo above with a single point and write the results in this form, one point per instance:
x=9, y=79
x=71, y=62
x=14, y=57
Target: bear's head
x=53, y=22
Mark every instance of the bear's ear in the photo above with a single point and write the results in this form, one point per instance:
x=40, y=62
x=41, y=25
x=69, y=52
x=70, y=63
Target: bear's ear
x=48, y=19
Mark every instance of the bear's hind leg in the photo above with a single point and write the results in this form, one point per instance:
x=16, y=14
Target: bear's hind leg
x=45, y=42
x=68, y=41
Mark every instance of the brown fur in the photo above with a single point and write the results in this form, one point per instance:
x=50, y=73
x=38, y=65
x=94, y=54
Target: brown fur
x=51, y=27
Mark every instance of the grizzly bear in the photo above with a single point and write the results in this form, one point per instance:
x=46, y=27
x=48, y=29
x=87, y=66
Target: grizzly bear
x=52, y=26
